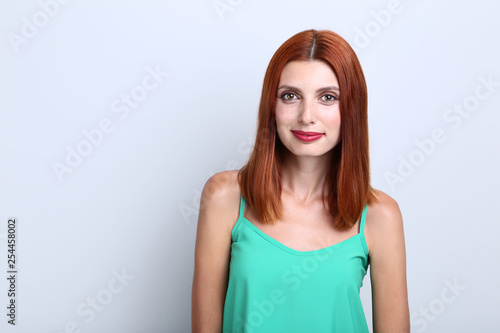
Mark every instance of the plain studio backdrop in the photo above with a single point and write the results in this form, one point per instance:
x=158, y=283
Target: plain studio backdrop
x=114, y=114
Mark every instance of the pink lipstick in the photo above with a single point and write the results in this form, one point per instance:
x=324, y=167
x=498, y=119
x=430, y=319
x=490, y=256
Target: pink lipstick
x=307, y=136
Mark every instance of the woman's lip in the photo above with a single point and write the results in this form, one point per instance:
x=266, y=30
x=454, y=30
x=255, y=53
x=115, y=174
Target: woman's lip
x=307, y=133
x=307, y=136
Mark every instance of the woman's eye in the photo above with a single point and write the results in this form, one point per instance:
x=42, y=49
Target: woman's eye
x=328, y=98
x=289, y=96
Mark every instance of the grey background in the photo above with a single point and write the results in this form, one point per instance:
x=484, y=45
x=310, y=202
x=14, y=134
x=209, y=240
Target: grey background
x=129, y=207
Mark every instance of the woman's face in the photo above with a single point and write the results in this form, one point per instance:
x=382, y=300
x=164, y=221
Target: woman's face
x=307, y=108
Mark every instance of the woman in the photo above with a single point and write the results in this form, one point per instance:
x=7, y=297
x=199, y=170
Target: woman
x=284, y=243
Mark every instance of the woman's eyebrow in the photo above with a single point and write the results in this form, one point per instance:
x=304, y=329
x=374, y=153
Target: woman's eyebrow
x=328, y=88
x=317, y=91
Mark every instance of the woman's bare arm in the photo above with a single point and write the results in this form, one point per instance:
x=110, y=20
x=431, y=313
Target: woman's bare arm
x=218, y=213
x=385, y=238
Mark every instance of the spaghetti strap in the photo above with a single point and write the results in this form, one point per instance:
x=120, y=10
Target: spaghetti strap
x=362, y=222
x=242, y=207
x=239, y=222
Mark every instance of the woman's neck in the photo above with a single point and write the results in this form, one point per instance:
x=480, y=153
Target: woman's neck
x=303, y=177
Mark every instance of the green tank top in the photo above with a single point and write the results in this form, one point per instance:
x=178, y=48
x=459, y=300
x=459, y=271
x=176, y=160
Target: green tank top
x=273, y=288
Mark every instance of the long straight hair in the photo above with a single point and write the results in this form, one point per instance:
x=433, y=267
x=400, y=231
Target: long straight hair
x=347, y=184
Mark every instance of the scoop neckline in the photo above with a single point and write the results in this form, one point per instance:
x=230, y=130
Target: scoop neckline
x=282, y=246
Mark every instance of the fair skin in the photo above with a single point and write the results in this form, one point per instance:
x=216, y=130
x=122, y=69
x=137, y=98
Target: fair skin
x=307, y=100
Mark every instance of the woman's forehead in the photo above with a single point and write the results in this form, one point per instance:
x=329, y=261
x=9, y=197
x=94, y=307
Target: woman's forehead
x=308, y=74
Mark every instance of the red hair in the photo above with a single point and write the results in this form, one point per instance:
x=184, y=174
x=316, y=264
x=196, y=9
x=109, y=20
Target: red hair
x=347, y=183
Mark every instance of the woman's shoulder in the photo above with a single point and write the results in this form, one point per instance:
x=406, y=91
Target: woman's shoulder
x=384, y=207
x=220, y=198
x=383, y=219
x=222, y=185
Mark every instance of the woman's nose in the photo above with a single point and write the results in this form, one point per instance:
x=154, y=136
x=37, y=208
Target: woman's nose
x=307, y=113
